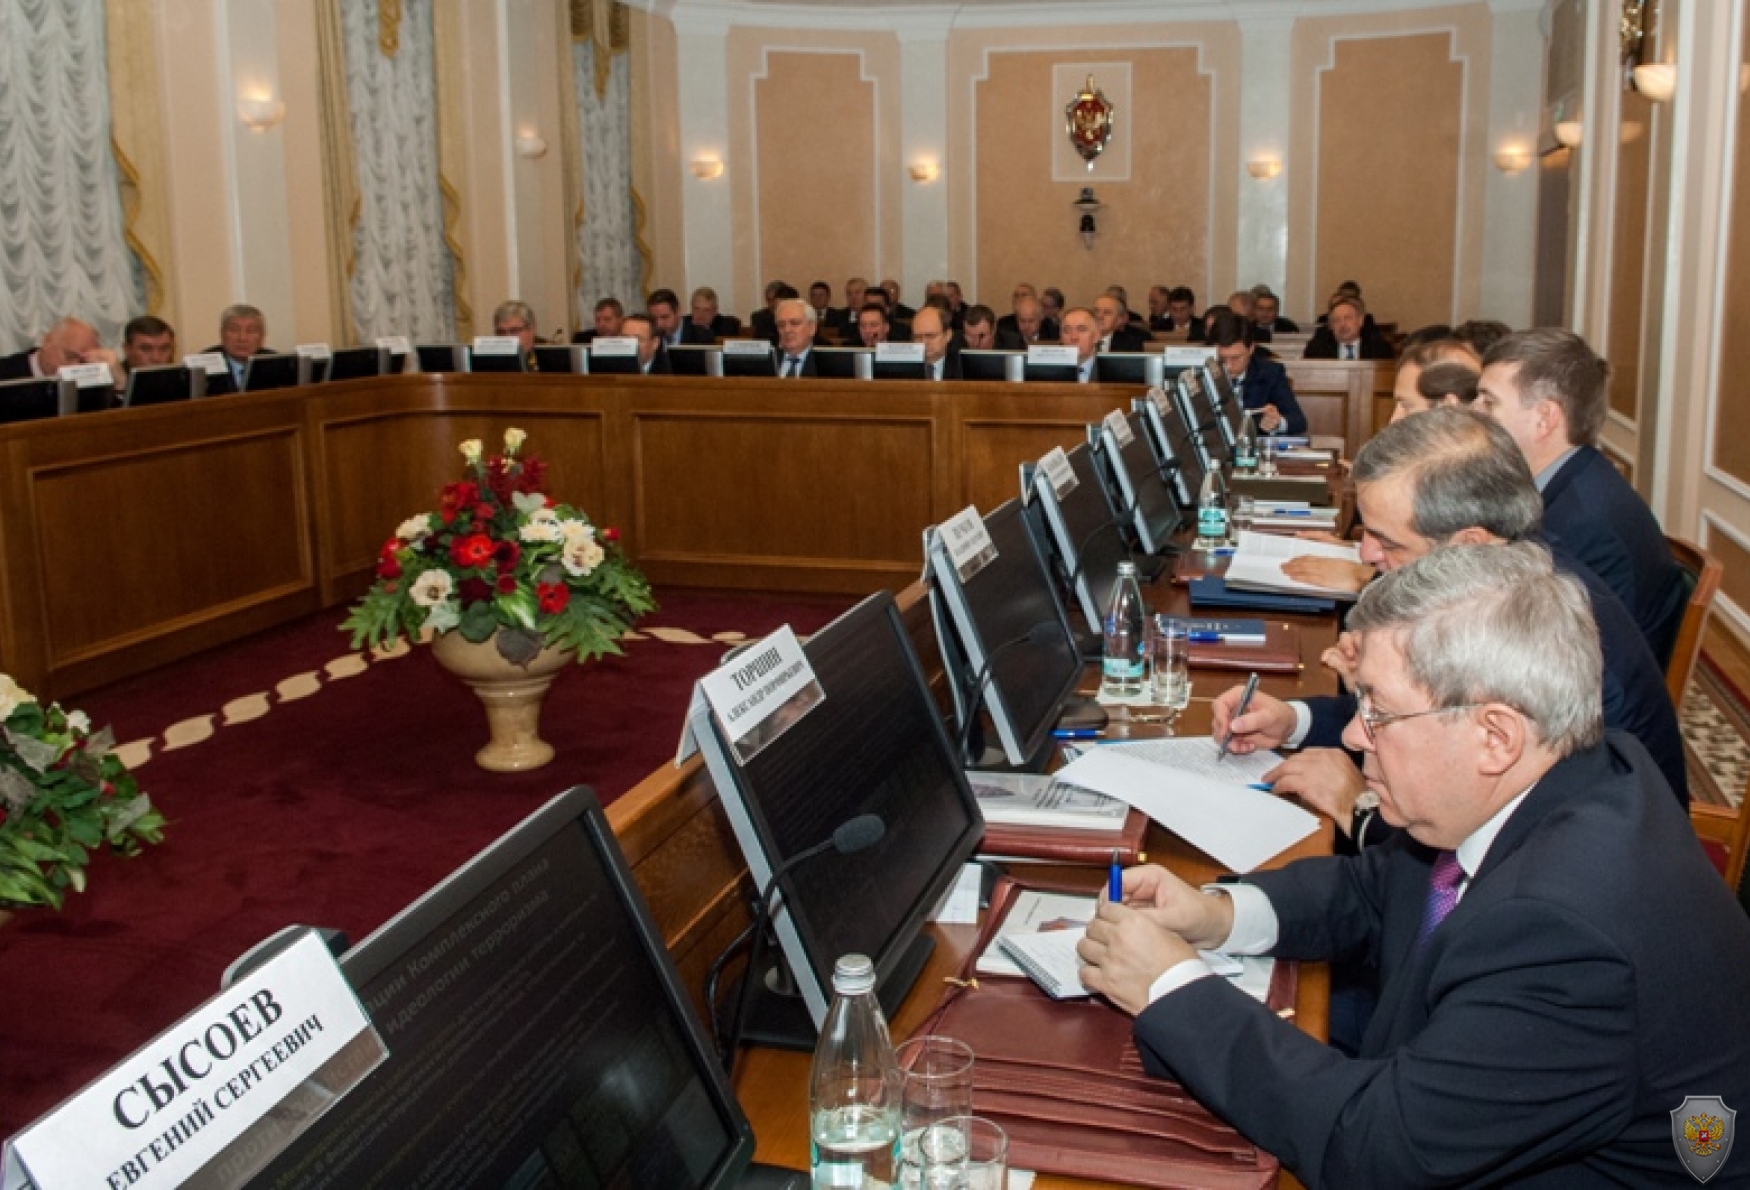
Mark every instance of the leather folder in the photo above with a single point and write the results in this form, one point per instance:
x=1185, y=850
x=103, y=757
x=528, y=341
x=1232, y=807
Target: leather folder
x=1064, y=1079
x=1210, y=591
x=1279, y=654
x=1058, y=845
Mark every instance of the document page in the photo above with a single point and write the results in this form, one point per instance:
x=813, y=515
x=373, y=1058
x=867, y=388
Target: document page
x=1257, y=563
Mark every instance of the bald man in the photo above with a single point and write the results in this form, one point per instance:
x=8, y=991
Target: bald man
x=69, y=341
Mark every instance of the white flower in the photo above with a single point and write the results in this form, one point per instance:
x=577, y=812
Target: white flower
x=471, y=451
x=581, y=554
x=414, y=528
x=12, y=696
x=431, y=588
x=79, y=721
x=539, y=529
x=513, y=440
x=575, y=530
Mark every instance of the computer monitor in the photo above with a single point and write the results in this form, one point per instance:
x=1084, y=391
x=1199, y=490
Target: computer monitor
x=442, y=357
x=1005, y=614
x=35, y=399
x=1051, y=373
x=1140, y=483
x=1172, y=443
x=1224, y=400
x=690, y=359
x=263, y=373
x=358, y=363
x=991, y=365
x=510, y=361
x=750, y=363
x=876, y=744
x=614, y=365
x=562, y=358
x=1085, y=532
x=161, y=386
x=538, y=1034
x=900, y=369
x=1142, y=368
x=843, y=363
x=314, y=369
x=93, y=398
x=1191, y=395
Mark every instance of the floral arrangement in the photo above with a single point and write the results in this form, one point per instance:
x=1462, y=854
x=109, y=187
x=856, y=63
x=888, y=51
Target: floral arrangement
x=500, y=557
x=63, y=794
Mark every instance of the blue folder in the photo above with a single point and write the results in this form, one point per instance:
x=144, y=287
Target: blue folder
x=1213, y=591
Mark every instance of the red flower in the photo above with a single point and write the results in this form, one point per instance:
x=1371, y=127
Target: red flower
x=484, y=512
x=506, y=584
x=553, y=597
x=610, y=534
x=472, y=551
x=389, y=567
x=507, y=554
x=454, y=498
x=475, y=590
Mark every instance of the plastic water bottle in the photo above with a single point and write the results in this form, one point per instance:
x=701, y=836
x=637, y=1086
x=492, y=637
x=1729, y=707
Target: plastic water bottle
x=854, y=1092
x=1211, y=514
x=1246, y=446
x=1122, y=662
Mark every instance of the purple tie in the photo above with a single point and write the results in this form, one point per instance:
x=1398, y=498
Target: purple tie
x=1443, y=882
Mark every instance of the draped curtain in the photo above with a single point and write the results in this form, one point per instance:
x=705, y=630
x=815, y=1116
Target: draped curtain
x=612, y=260
x=63, y=242
x=402, y=272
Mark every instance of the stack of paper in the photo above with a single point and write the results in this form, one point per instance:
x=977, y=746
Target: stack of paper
x=1257, y=563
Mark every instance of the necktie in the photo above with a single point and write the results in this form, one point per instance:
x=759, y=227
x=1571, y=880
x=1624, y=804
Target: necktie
x=1348, y=351
x=792, y=365
x=1444, y=880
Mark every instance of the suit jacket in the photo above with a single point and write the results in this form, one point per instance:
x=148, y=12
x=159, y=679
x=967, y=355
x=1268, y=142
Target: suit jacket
x=951, y=369
x=725, y=326
x=1265, y=382
x=1635, y=699
x=660, y=365
x=763, y=325
x=694, y=335
x=1603, y=522
x=808, y=368
x=1542, y=1035
x=231, y=382
x=17, y=366
x=1048, y=331
x=901, y=313
x=1323, y=345
x=1128, y=338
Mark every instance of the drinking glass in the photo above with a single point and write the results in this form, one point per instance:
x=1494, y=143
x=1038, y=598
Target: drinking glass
x=1245, y=510
x=964, y=1153
x=1267, y=455
x=1170, y=667
x=936, y=1074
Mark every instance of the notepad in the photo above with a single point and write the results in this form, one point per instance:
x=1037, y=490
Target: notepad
x=1050, y=960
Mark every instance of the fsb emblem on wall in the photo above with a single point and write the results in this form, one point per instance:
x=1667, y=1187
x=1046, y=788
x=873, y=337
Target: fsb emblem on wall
x=1702, y=1130
x=1088, y=121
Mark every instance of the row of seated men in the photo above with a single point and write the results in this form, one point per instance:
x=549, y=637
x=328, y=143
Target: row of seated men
x=147, y=342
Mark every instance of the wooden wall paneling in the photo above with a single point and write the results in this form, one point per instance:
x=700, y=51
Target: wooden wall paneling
x=23, y=636
x=1002, y=426
x=1343, y=398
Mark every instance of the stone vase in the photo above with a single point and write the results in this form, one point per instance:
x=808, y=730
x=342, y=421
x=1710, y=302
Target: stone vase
x=511, y=694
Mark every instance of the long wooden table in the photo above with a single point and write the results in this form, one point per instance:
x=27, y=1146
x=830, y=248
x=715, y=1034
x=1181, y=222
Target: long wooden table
x=136, y=537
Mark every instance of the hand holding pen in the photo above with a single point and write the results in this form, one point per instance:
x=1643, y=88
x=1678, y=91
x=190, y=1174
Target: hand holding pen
x=1245, y=703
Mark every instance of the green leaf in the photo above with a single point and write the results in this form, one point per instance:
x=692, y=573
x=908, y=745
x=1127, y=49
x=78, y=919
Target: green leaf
x=479, y=621
x=519, y=646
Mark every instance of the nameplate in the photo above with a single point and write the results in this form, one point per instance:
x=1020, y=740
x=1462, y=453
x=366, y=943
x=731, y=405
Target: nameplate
x=397, y=344
x=614, y=345
x=290, y=1038
x=87, y=375
x=210, y=362
x=969, y=545
x=1058, y=472
x=899, y=353
x=1190, y=356
x=497, y=345
x=1163, y=403
x=1119, y=427
x=313, y=351
x=1052, y=353
x=762, y=692
x=746, y=347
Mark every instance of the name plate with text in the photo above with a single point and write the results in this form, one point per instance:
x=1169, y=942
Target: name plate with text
x=87, y=375
x=210, y=362
x=746, y=347
x=899, y=353
x=614, y=345
x=1059, y=472
x=1052, y=354
x=314, y=351
x=969, y=545
x=497, y=345
x=762, y=692
x=1119, y=425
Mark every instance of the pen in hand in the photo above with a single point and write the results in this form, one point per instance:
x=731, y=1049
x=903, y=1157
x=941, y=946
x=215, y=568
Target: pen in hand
x=1115, y=881
x=1245, y=701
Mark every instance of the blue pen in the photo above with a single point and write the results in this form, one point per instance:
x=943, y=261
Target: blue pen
x=1261, y=787
x=1115, y=881
x=1077, y=733
x=1205, y=638
x=1290, y=512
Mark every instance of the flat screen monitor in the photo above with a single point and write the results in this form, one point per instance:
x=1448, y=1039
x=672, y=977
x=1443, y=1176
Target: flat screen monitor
x=314, y=369
x=561, y=358
x=991, y=365
x=93, y=398
x=1052, y=373
x=1141, y=368
x=34, y=399
x=160, y=386
x=843, y=363
x=512, y=361
x=1222, y=398
x=1141, y=484
x=1172, y=445
x=758, y=363
x=1191, y=395
x=692, y=360
x=900, y=369
x=538, y=1035
x=1085, y=533
x=613, y=365
x=265, y=372
x=1006, y=614
x=875, y=744
x=442, y=357
x=358, y=363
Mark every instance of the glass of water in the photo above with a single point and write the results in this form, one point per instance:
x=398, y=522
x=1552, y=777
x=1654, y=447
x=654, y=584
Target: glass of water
x=964, y=1153
x=1170, y=667
x=1267, y=455
x=936, y=1074
x=1245, y=510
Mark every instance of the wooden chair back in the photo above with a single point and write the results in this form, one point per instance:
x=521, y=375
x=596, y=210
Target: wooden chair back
x=1702, y=572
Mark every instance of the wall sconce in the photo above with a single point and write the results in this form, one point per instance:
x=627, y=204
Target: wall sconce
x=706, y=168
x=925, y=171
x=1087, y=204
x=1264, y=168
x=260, y=112
x=1657, y=81
x=1568, y=133
x=531, y=145
x=1510, y=159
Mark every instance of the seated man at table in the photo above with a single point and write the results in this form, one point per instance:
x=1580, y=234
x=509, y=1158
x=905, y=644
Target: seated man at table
x=797, y=325
x=1261, y=384
x=609, y=314
x=148, y=342
x=1542, y=1019
x=979, y=328
x=652, y=355
x=69, y=341
x=930, y=328
x=242, y=334
x=1079, y=330
x=1348, y=334
x=1444, y=478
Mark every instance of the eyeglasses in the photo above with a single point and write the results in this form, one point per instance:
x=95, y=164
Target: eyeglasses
x=515, y=328
x=1372, y=721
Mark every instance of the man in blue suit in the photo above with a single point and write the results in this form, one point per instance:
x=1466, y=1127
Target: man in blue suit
x=1551, y=392
x=1563, y=973
x=1262, y=384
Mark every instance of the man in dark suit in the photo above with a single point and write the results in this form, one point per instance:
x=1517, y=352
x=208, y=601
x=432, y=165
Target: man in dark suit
x=609, y=314
x=1261, y=384
x=763, y=325
x=652, y=356
x=670, y=327
x=1550, y=391
x=1541, y=1022
x=1267, y=312
x=930, y=329
x=1026, y=326
x=797, y=324
x=897, y=311
x=1439, y=479
x=69, y=341
x=1182, y=314
x=844, y=318
x=1347, y=335
x=1116, y=333
x=707, y=315
x=979, y=330
x=242, y=333
x=1082, y=331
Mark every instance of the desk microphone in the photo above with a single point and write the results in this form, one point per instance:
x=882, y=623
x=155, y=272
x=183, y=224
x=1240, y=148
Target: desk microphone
x=853, y=835
x=1041, y=633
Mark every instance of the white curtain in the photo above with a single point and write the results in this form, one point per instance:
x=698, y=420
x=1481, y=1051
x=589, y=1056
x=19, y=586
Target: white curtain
x=401, y=280
x=63, y=247
x=607, y=242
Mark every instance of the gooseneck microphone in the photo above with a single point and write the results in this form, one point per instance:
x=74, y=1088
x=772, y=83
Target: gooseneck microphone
x=1040, y=633
x=851, y=836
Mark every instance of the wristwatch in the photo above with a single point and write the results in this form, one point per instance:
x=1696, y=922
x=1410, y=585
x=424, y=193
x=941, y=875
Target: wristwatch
x=1366, y=808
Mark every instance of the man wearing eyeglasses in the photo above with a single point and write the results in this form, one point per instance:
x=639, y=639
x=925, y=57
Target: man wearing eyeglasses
x=1443, y=478
x=1563, y=972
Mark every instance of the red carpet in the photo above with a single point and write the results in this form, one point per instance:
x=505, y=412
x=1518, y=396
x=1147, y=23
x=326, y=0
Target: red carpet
x=335, y=808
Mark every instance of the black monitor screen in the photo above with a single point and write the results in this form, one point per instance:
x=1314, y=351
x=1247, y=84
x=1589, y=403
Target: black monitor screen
x=1142, y=486
x=613, y=365
x=94, y=398
x=1138, y=368
x=690, y=360
x=510, y=362
x=985, y=365
x=1058, y=373
x=29, y=400
x=755, y=364
x=264, y=372
x=875, y=744
x=158, y=386
x=439, y=357
x=1205, y=425
x=1090, y=542
x=900, y=369
x=556, y=358
x=1171, y=442
x=837, y=363
x=356, y=363
x=538, y=1035
x=1010, y=599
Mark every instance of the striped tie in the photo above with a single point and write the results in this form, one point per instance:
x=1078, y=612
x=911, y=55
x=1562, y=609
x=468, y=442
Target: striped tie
x=1444, y=880
x=792, y=365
